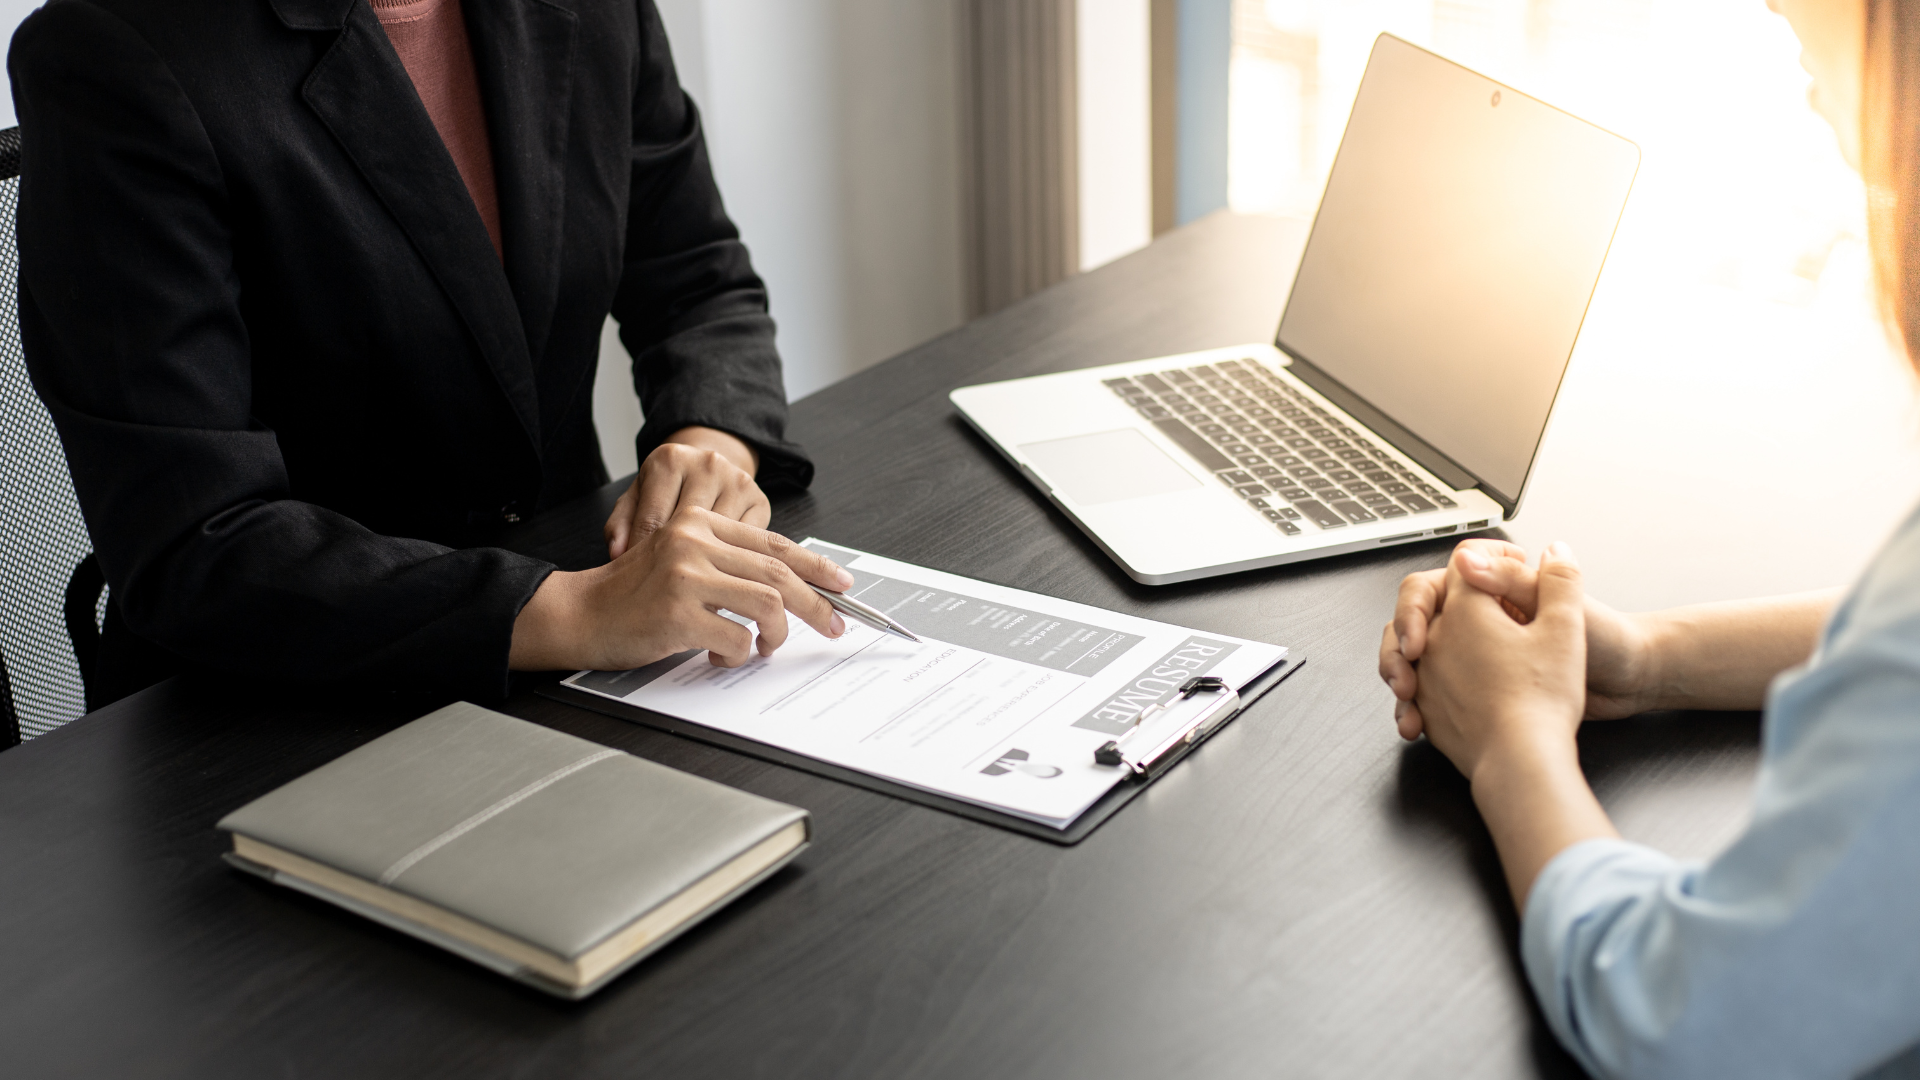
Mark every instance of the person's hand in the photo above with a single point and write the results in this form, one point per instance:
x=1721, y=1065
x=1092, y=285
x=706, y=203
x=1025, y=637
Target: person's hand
x=696, y=467
x=1492, y=686
x=1619, y=661
x=664, y=595
x=1502, y=698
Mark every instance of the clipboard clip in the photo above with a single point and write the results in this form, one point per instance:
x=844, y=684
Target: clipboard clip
x=1164, y=751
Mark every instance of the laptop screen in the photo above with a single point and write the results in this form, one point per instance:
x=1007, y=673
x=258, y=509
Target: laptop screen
x=1460, y=236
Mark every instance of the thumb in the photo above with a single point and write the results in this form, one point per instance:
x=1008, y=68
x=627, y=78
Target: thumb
x=1562, y=597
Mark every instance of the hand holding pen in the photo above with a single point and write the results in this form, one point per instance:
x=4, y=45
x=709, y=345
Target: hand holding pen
x=866, y=613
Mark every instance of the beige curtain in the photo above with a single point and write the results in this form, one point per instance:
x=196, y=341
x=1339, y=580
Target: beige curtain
x=1022, y=149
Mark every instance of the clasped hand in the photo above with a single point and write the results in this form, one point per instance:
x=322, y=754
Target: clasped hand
x=686, y=541
x=1491, y=652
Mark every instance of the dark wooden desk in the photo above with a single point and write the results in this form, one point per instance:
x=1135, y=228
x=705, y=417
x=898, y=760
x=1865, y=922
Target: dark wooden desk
x=1305, y=896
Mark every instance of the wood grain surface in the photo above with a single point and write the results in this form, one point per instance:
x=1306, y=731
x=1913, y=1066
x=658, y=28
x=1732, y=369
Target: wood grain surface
x=1305, y=896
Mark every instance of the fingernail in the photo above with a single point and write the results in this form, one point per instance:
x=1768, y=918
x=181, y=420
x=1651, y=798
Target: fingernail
x=1473, y=560
x=838, y=625
x=1399, y=710
x=1560, y=551
x=841, y=579
x=1403, y=644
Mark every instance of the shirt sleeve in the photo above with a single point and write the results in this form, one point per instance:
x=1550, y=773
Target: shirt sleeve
x=692, y=311
x=131, y=320
x=1794, y=953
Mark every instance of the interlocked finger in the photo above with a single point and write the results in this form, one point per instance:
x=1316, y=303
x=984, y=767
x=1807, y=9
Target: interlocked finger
x=1421, y=598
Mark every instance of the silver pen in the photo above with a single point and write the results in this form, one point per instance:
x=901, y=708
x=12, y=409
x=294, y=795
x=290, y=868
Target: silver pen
x=865, y=613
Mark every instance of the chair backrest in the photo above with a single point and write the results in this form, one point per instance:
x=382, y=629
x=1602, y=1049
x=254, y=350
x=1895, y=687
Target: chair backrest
x=42, y=535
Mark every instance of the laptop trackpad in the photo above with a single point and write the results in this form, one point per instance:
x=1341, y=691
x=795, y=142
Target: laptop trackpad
x=1107, y=467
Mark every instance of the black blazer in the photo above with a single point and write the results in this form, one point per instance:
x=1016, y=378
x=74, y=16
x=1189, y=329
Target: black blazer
x=294, y=380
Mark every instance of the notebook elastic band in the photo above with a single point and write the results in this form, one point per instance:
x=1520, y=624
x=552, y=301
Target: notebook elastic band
x=407, y=861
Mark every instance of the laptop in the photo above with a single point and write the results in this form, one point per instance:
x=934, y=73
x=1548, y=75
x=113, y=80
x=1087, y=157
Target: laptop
x=1457, y=244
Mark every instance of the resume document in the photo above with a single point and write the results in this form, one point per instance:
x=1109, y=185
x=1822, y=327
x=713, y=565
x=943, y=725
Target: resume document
x=1002, y=704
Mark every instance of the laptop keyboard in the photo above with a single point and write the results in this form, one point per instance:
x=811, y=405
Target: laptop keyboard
x=1291, y=458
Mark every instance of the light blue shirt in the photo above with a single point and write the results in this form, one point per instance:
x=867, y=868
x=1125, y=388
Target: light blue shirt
x=1795, y=952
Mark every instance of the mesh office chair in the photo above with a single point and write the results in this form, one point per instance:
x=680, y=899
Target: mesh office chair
x=50, y=586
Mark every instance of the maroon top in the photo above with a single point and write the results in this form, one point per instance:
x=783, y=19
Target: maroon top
x=431, y=38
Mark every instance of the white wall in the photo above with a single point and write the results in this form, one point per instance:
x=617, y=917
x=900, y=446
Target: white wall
x=11, y=13
x=1116, y=124
x=834, y=130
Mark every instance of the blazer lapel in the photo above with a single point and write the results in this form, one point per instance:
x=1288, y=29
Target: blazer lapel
x=364, y=96
x=524, y=50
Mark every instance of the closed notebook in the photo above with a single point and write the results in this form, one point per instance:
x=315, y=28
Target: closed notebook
x=552, y=859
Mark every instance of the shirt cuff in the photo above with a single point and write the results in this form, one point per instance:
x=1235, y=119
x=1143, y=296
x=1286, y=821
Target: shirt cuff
x=1578, y=896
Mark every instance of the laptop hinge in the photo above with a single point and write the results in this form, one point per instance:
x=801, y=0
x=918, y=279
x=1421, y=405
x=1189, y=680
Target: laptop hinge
x=1403, y=440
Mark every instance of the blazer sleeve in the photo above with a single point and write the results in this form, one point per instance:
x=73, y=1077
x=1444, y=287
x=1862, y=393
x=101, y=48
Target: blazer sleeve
x=130, y=318
x=692, y=312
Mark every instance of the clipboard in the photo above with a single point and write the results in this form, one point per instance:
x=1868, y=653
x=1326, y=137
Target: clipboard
x=1109, y=804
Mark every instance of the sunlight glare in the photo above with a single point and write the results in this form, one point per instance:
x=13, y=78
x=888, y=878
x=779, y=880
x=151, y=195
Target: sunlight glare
x=1741, y=184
